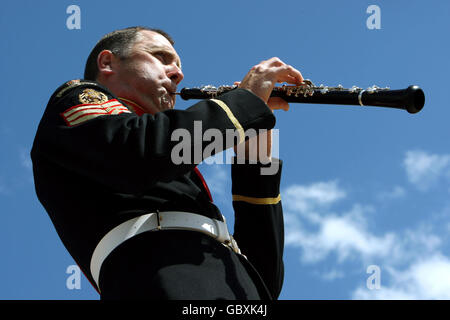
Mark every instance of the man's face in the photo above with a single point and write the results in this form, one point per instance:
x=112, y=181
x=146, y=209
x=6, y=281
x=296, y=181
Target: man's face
x=150, y=74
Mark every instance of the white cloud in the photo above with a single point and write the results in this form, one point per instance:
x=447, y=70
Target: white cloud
x=314, y=226
x=25, y=159
x=396, y=192
x=362, y=293
x=308, y=199
x=345, y=234
x=332, y=275
x=423, y=169
x=424, y=279
x=305, y=198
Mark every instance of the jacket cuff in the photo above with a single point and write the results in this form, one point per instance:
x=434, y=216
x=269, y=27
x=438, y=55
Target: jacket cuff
x=256, y=180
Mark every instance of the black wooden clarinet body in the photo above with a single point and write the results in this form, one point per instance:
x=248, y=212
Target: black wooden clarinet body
x=411, y=99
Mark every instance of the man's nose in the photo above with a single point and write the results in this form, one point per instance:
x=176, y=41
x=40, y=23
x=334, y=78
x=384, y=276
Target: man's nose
x=174, y=73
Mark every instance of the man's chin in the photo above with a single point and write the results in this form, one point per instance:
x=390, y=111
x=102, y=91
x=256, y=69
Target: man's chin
x=165, y=107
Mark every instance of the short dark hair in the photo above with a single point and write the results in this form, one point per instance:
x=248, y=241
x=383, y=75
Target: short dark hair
x=119, y=42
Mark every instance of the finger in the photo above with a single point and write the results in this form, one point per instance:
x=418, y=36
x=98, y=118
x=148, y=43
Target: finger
x=293, y=76
x=290, y=80
x=280, y=66
x=287, y=74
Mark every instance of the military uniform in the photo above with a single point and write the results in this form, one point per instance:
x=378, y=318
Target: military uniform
x=98, y=162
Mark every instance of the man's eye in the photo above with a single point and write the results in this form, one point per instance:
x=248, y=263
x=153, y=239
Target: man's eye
x=160, y=56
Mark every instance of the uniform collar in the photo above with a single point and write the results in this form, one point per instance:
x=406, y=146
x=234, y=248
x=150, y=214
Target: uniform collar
x=133, y=106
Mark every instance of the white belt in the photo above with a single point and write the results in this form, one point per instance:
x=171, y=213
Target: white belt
x=166, y=220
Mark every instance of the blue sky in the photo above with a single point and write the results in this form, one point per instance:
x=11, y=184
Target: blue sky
x=361, y=186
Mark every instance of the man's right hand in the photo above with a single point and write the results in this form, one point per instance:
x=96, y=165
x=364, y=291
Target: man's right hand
x=262, y=78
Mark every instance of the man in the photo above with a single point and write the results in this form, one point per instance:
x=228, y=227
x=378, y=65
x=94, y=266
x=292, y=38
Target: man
x=138, y=225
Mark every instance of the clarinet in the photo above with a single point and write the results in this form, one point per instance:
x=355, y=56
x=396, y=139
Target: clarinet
x=411, y=99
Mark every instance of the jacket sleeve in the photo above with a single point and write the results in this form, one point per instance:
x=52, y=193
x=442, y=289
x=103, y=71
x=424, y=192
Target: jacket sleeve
x=259, y=227
x=106, y=142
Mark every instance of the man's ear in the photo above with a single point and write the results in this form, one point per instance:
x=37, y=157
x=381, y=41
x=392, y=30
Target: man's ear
x=105, y=63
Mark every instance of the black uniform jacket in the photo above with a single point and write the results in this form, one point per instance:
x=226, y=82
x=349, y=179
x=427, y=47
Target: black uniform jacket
x=97, y=162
